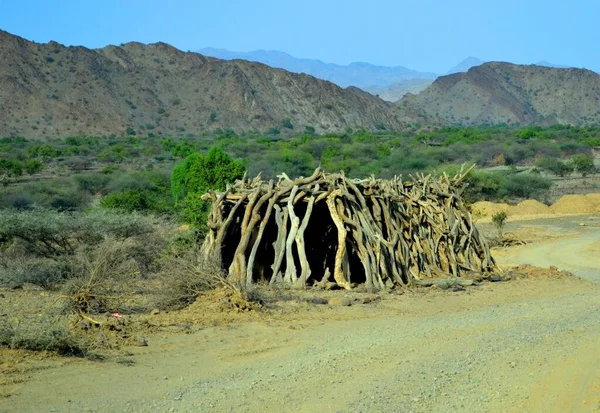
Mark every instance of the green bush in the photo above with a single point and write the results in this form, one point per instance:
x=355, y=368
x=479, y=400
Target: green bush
x=58, y=194
x=555, y=166
x=10, y=168
x=583, y=163
x=93, y=183
x=196, y=175
x=287, y=123
x=127, y=200
x=523, y=186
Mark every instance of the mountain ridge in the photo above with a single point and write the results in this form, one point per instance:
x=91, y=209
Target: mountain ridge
x=48, y=89
x=501, y=92
x=360, y=74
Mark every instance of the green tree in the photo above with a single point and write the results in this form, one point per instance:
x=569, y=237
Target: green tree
x=584, y=164
x=197, y=174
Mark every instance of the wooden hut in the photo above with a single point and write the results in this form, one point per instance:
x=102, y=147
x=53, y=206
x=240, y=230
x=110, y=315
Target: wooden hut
x=376, y=232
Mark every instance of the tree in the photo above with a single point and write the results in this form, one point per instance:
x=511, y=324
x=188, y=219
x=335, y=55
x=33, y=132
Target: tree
x=197, y=174
x=584, y=164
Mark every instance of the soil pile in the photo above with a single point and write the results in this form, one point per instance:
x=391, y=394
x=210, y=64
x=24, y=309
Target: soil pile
x=577, y=204
x=488, y=209
x=567, y=205
x=529, y=207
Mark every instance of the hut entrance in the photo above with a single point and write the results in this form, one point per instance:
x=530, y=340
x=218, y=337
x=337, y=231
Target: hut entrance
x=320, y=248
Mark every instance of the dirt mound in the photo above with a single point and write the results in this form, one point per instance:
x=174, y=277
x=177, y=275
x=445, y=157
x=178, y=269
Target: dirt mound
x=530, y=271
x=529, y=207
x=487, y=208
x=577, y=204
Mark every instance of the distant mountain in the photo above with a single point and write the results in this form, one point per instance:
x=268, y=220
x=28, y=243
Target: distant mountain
x=496, y=93
x=548, y=64
x=465, y=65
x=49, y=90
x=361, y=75
x=398, y=90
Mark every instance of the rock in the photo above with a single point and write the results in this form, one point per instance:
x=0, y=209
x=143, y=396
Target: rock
x=339, y=301
x=496, y=278
x=582, y=224
x=318, y=300
x=156, y=311
x=142, y=342
x=553, y=268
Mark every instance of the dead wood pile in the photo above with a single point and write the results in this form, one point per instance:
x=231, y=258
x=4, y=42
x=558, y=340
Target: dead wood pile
x=381, y=233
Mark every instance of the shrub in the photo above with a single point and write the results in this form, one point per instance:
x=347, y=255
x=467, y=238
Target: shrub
x=45, y=335
x=31, y=166
x=499, y=221
x=43, y=272
x=10, y=168
x=583, y=163
x=187, y=276
x=93, y=183
x=50, y=234
x=523, y=186
x=196, y=175
x=105, y=274
x=555, y=166
x=16, y=200
x=128, y=200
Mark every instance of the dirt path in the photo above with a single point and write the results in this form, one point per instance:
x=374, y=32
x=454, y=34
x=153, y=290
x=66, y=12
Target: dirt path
x=526, y=345
x=578, y=254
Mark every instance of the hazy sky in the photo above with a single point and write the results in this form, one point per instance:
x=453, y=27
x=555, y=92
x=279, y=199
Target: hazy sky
x=427, y=35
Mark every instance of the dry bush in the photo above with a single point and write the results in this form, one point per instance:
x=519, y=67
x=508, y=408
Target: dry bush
x=187, y=276
x=45, y=335
x=109, y=274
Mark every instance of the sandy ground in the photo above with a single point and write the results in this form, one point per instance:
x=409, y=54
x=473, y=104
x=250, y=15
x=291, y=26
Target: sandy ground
x=529, y=345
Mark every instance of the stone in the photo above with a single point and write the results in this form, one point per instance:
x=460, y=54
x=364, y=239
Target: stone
x=156, y=311
x=339, y=301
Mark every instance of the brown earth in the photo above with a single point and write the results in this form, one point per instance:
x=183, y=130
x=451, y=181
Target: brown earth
x=523, y=345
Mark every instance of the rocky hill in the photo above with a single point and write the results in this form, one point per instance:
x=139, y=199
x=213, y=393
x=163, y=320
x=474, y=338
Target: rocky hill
x=496, y=93
x=49, y=90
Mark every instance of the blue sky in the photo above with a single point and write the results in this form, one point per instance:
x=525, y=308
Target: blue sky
x=427, y=35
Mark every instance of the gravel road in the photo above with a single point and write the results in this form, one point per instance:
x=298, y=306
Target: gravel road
x=528, y=345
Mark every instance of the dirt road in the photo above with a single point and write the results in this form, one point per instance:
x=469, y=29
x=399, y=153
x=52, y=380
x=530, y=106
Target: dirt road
x=527, y=345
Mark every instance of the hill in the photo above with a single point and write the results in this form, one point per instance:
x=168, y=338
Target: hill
x=396, y=91
x=361, y=75
x=49, y=90
x=496, y=93
x=465, y=65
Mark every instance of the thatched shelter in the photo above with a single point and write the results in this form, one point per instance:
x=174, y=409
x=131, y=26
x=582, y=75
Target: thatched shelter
x=381, y=233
